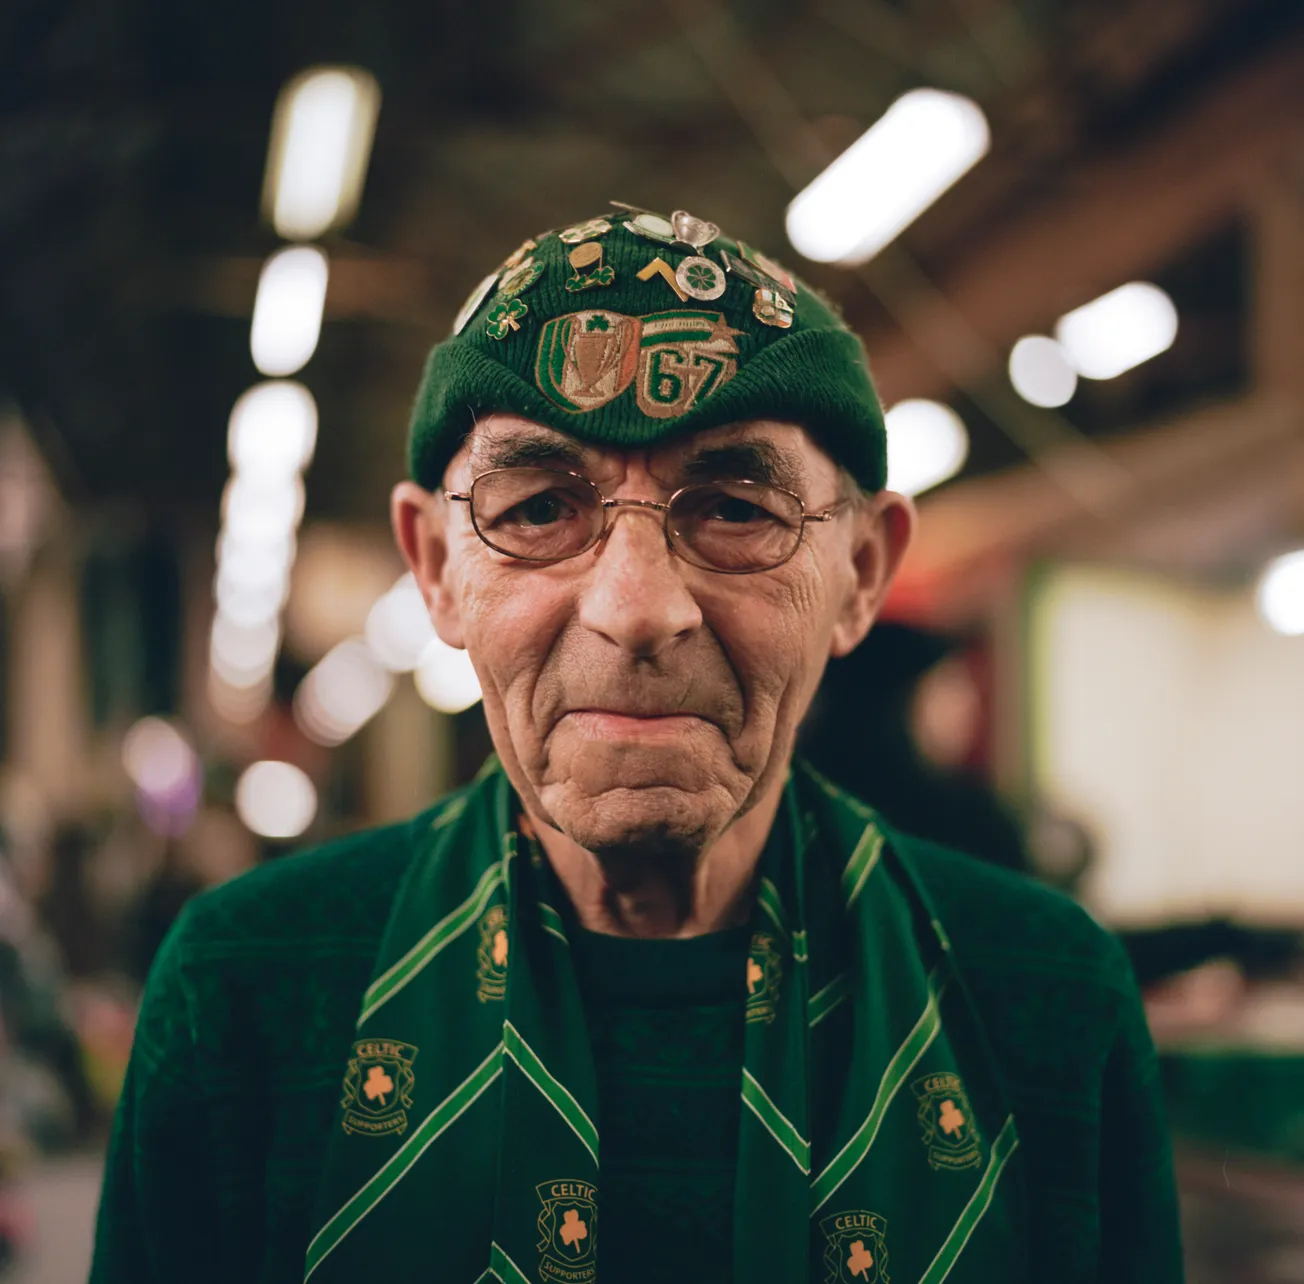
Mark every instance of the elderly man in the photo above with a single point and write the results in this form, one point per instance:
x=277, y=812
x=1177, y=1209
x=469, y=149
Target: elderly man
x=648, y=998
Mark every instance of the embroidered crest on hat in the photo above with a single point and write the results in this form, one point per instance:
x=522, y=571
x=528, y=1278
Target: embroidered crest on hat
x=946, y=1118
x=473, y=302
x=588, y=268
x=568, y=1231
x=855, y=1248
x=378, y=1086
x=585, y=231
x=587, y=358
x=764, y=977
x=683, y=358
x=699, y=278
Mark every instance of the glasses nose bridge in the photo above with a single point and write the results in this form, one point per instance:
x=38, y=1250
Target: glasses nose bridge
x=611, y=507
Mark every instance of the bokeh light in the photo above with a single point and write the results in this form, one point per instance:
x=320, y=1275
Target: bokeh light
x=1041, y=371
x=920, y=146
x=446, y=678
x=1280, y=596
x=272, y=430
x=275, y=799
x=288, y=310
x=926, y=443
x=398, y=627
x=1119, y=330
x=345, y=689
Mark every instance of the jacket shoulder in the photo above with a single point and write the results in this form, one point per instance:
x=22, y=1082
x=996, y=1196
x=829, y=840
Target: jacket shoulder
x=339, y=891
x=1005, y=920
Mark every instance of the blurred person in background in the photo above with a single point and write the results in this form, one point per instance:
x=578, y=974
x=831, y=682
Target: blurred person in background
x=894, y=723
x=649, y=994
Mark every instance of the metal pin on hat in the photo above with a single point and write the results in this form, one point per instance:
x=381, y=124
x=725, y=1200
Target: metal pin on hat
x=690, y=230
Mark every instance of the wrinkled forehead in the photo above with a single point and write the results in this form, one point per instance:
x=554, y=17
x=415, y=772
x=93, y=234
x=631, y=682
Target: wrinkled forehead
x=771, y=451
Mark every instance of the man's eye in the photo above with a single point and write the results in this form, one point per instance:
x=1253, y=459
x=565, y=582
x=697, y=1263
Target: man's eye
x=729, y=508
x=540, y=510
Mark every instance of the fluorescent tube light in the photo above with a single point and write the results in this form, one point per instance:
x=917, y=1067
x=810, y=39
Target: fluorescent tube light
x=321, y=142
x=1119, y=330
x=920, y=146
x=288, y=310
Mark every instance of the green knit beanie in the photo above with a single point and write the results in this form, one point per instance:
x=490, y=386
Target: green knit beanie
x=631, y=329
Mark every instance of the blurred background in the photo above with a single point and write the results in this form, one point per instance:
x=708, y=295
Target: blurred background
x=1071, y=235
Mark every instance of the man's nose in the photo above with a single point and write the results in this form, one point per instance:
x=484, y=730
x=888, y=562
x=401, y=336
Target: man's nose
x=634, y=594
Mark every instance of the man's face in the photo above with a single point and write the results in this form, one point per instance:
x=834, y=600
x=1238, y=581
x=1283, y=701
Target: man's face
x=638, y=701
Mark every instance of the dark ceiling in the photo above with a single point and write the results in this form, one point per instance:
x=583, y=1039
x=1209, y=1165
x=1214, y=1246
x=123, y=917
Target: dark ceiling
x=133, y=138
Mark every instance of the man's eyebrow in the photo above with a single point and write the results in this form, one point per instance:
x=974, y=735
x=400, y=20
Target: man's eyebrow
x=526, y=450
x=759, y=460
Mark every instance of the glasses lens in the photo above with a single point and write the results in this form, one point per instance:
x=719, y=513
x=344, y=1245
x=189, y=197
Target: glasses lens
x=535, y=514
x=735, y=526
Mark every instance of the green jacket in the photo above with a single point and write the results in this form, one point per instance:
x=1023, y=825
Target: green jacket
x=221, y=1135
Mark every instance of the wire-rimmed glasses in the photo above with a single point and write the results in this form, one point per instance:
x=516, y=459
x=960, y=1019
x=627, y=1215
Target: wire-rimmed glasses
x=546, y=515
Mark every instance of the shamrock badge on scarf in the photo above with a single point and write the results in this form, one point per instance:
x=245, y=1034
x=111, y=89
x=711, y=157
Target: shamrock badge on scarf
x=505, y=316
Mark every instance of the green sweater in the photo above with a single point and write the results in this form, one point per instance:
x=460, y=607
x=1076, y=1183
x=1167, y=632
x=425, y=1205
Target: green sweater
x=246, y=1024
x=665, y=1023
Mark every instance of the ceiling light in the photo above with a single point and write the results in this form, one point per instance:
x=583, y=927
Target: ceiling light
x=288, y=310
x=1041, y=372
x=398, y=627
x=926, y=443
x=347, y=687
x=921, y=145
x=445, y=678
x=320, y=145
x=275, y=799
x=272, y=430
x=1280, y=595
x=1119, y=330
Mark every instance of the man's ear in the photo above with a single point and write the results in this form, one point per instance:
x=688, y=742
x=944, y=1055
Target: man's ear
x=420, y=531
x=884, y=526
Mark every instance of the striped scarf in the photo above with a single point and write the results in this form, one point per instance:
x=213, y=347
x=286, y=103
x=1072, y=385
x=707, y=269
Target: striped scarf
x=875, y=1142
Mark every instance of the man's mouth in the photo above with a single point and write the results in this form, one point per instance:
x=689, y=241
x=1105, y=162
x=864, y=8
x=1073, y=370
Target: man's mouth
x=616, y=724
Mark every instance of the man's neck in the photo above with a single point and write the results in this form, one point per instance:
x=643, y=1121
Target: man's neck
x=679, y=897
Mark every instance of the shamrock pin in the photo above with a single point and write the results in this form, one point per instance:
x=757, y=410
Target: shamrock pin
x=585, y=231
x=505, y=316
x=521, y=277
x=590, y=270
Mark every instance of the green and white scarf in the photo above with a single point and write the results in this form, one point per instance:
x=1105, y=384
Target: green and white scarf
x=875, y=1142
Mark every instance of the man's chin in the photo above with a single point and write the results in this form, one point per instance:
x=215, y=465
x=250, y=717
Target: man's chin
x=656, y=820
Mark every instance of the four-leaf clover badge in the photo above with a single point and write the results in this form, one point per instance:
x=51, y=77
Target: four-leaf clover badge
x=699, y=278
